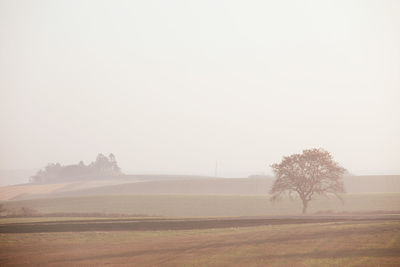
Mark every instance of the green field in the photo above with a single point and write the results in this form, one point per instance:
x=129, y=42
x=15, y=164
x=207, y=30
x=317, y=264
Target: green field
x=192, y=205
x=375, y=243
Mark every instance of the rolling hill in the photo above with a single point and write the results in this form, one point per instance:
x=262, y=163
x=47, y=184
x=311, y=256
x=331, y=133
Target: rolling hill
x=182, y=185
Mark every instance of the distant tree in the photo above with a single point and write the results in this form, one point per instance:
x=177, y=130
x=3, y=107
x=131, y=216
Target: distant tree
x=54, y=172
x=114, y=165
x=314, y=172
x=112, y=157
x=51, y=171
x=106, y=165
x=101, y=164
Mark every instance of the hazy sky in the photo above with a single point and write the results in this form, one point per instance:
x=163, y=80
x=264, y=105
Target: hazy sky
x=173, y=86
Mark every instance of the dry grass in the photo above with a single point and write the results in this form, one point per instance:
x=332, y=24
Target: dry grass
x=329, y=244
x=10, y=192
x=178, y=185
x=190, y=205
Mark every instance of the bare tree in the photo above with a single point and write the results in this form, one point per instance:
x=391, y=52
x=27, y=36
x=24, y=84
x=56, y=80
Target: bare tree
x=311, y=173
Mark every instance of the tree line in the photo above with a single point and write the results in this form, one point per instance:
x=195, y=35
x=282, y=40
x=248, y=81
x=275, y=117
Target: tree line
x=103, y=166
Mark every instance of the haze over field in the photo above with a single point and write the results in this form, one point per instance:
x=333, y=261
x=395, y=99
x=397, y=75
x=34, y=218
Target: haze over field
x=172, y=87
x=200, y=133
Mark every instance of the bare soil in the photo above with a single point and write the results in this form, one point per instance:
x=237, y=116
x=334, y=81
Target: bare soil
x=148, y=224
x=284, y=242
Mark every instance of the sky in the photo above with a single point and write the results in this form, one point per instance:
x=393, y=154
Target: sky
x=176, y=86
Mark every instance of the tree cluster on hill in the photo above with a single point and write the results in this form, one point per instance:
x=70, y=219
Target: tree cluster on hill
x=55, y=172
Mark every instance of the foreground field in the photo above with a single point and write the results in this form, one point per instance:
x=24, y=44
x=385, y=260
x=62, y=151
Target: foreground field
x=366, y=243
x=200, y=205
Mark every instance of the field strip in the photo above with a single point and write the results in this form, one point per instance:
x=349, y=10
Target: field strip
x=177, y=224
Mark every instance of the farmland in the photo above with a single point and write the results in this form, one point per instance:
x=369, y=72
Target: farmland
x=181, y=185
x=203, y=205
x=228, y=222
x=369, y=242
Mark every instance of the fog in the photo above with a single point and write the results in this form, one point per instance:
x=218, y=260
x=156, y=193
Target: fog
x=173, y=86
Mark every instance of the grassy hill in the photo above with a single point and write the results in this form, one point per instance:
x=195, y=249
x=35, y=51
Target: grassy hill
x=194, y=196
x=372, y=183
x=206, y=205
x=34, y=190
x=181, y=185
x=206, y=186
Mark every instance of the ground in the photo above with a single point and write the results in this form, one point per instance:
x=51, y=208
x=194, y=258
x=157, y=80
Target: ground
x=207, y=205
x=368, y=242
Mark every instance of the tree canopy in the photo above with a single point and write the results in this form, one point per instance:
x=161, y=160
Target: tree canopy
x=55, y=172
x=314, y=172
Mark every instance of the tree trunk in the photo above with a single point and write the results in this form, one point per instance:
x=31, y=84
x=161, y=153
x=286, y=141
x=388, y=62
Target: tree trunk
x=305, y=205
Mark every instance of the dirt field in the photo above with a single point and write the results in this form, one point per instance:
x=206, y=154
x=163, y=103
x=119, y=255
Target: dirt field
x=164, y=224
x=368, y=242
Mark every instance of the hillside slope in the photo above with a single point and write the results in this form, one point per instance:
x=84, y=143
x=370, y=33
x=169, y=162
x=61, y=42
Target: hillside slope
x=181, y=185
x=208, y=186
